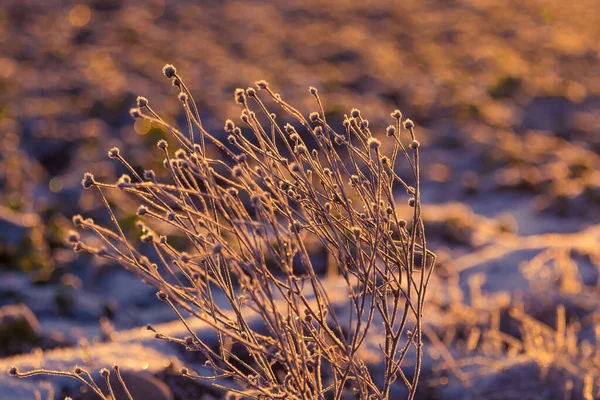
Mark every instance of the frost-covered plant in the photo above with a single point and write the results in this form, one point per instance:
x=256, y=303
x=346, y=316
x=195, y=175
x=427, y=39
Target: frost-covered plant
x=249, y=215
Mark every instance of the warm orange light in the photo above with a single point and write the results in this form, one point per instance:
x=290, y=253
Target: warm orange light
x=80, y=15
x=142, y=126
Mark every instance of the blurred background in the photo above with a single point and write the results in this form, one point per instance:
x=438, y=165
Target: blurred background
x=505, y=96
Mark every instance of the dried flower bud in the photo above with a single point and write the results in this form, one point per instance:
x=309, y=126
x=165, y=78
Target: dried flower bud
x=73, y=237
x=104, y=372
x=162, y=296
x=77, y=220
x=184, y=257
x=142, y=210
x=169, y=71
x=408, y=124
x=182, y=96
x=237, y=171
x=229, y=126
x=250, y=92
x=162, y=144
x=396, y=114
x=135, y=113
x=355, y=113
x=149, y=175
x=113, y=153
x=414, y=144
x=240, y=96
x=141, y=101
x=262, y=84
x=390, y=130
x=373, y=143
x=314, y=116
x=301, y=149
x=88, y=180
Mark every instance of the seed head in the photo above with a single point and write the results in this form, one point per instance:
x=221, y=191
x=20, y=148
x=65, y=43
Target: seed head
x=104, y=372
x=142, y=210
x=88, y=180
x=135, y=113
x=149, y=175
x=356, y=231
x=77, y=220
x=396, y=114
x=313, y=90
x=162, y=296
x=123, y=181
x=162, y=144
x=262, y=84
x=364, y=123
x=414, y=144
x=13, y=371
x=171, y=216
x=408, y=124
x=289, y=129
x=411, y=202
x=78, y=370
x=73, y=237
x=301, y=149
x=184, y=371
x=314, y=116
x=141, y=101
x=180, y=154
x=229, y=126
x=113, y=153
x=240, y=96
x=373, y=143
x=237, y=171
x=390, y=130
x=250, y=92
x=169, y=71
x=355, y=113
x=183, y=97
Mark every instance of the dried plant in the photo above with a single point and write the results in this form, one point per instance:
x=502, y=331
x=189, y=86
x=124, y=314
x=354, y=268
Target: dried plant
x=249, y=219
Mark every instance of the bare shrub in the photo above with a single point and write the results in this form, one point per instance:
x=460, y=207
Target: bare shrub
x=248, y=219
